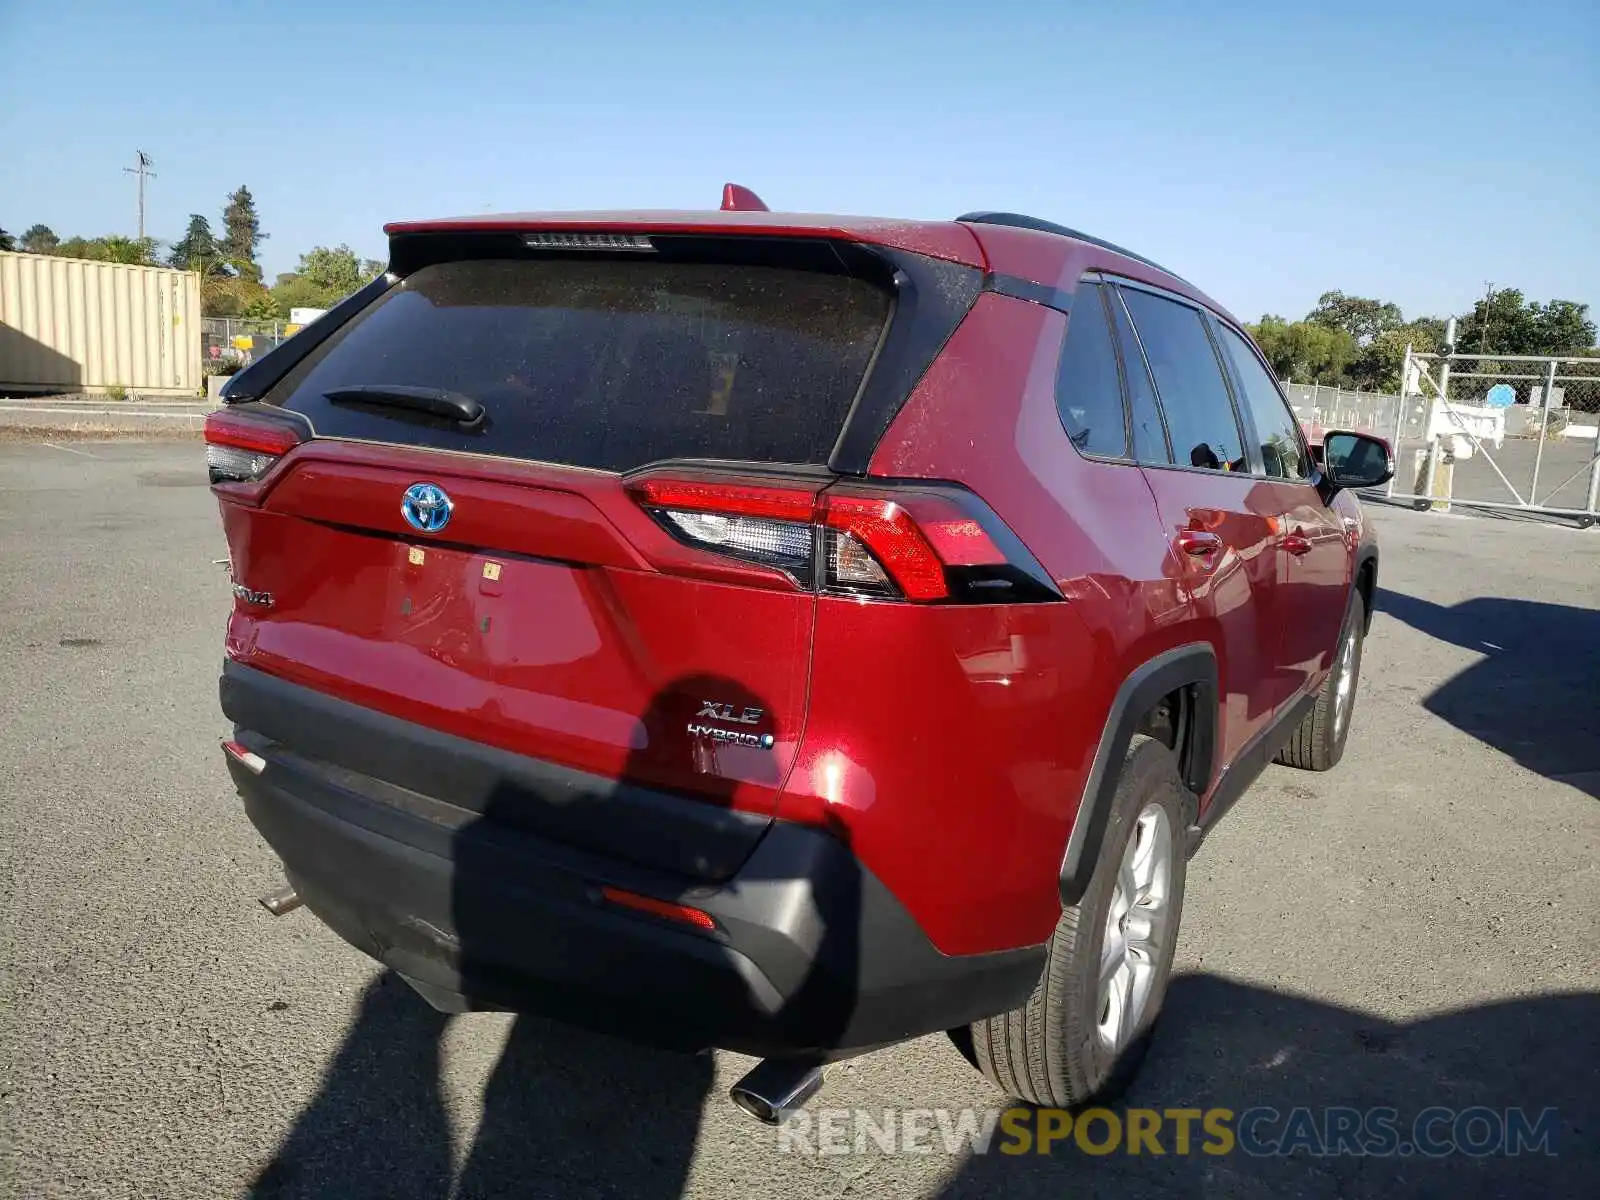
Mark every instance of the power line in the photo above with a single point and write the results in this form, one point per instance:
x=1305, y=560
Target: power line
x=144, y=172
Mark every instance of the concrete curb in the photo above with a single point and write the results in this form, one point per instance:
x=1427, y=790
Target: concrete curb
x=70, y=415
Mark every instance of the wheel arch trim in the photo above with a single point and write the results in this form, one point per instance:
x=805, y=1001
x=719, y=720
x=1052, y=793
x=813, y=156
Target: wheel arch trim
x=1189, y=666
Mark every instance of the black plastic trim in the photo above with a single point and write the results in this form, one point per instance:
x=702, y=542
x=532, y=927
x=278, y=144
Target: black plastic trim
x=1193, y=665
x=1253, y=759
x=1131, y=356
x=810, y=953
x=434, y=402
x=1026, y=289
x=932, y=298
x=1038, y=225
x=1366, y=553
x=256, y=380
x=649, y=826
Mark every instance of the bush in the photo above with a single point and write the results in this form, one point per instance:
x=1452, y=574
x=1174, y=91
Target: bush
x=117, y=392
x=219, y=366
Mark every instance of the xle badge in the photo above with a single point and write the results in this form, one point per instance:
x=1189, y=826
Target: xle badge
x=715, y=710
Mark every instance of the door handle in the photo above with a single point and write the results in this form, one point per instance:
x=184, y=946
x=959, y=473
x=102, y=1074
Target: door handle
x=1198, y=543
x=1297, y=543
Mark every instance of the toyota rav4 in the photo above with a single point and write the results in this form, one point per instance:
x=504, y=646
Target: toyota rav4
x=785, y=633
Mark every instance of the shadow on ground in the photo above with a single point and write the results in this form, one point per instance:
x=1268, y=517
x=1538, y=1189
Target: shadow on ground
x=571, y=1114
x=1533, y=695
x=566, y=1113
x=574, y=1114
x=1230, y=1045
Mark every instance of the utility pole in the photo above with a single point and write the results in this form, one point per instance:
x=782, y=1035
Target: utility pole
x=144, y=172
x=1488, y=308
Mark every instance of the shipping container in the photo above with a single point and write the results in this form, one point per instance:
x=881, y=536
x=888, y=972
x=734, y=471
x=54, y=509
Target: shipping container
x=71, y=325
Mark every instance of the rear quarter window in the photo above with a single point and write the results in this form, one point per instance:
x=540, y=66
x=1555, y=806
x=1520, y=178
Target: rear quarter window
x=606, y=363
x=1088, y=387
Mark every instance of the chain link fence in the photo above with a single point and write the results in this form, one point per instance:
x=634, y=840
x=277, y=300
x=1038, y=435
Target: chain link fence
x=1482, y=432
x=1500, y=433
x=229, y=342
x=1321, y=407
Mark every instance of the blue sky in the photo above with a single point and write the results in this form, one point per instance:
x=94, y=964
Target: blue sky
x=1410, y=151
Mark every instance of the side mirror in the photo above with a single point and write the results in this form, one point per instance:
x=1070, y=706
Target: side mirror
x=1355, y=460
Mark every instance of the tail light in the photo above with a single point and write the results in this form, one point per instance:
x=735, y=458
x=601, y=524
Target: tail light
x=242, y=448
x=929, y=544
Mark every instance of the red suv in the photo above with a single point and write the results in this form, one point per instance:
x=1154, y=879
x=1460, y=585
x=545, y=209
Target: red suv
x=790, y=634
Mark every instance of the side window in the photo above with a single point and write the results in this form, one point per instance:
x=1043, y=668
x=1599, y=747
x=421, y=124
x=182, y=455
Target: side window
x=1149, y=434
x=1194, y=397
x=1281, y=448
x=1088, y=392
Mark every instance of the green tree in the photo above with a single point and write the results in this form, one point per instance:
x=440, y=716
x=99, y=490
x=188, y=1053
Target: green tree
x=261, y=307
x=1563, y=327
x=241, y=234
x=135, y=251
x=40, y=239
x=1506, y=322
x=6, y=241
x=325, y=276
x=228, y=295
x=293, y=291
x=1502, y=322
x=336, y=271
x=1305, y=351
x=112, y=248
x=1361, y=318
x=197, y=249
x=1378, y=367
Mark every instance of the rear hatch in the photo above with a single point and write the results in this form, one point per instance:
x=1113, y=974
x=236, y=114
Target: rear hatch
x=457, y=536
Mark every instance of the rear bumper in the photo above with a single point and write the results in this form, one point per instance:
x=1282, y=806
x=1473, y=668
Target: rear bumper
x=810, y=952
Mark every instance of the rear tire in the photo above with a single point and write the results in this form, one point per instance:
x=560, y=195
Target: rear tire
x=1086, y=1028
x=1318, y=743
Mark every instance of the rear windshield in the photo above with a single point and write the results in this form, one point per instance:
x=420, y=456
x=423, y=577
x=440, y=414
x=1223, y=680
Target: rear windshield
x=606, y=363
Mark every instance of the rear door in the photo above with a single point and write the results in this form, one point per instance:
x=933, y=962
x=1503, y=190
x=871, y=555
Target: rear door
x=548, y=613
x=1217, y=516
x=1312, y=549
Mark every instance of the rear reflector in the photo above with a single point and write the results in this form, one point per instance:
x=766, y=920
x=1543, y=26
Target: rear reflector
x=658, y=908
x=241, y=449
x=922, y=543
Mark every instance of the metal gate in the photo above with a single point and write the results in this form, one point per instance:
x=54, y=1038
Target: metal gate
x=1498, y=431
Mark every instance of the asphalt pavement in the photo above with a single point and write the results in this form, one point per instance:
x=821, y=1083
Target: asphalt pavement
x=1420, y=927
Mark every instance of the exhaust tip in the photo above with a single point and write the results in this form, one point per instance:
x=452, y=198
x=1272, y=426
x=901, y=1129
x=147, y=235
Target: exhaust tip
x=754, y=1105
x=776, y=1085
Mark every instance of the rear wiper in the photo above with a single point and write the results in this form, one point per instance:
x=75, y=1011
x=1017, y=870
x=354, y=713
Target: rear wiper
x=435, y=401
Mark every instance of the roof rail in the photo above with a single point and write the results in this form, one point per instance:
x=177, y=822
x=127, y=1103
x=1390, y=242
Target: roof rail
x=1021, y=221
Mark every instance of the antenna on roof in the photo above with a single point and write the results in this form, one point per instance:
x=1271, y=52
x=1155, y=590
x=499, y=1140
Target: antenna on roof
x=741, y=199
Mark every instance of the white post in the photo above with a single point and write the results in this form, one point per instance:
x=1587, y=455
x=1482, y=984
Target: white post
x=1433, y=409
x=1400, y=418
x=1544, y=425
